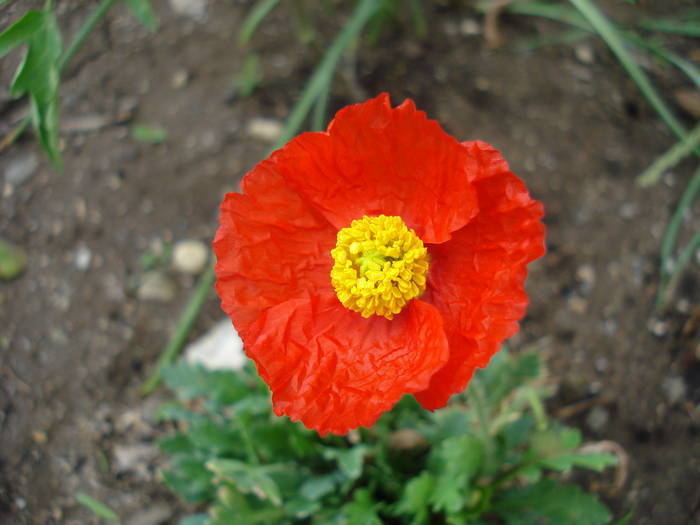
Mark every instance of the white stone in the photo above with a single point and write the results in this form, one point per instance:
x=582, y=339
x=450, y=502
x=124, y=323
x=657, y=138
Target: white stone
x=190, y=256
x=21, y=168
x=156, y=287
x=82, y=257
x=219, y=349
x=195, y=9
x=266, y=129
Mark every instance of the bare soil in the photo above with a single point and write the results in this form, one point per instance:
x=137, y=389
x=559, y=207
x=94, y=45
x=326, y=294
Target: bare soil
x=76, y=341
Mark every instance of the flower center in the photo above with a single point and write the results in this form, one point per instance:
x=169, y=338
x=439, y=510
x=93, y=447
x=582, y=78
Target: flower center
x=380, y=265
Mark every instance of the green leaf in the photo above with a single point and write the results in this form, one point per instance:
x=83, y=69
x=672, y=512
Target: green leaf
x=350, y=461
x=214, y=438
x=38, y=76
x=505, y=373
x=415, y=498
x=362, y=509
x=315, y=488
x=177, y=444
x=21, y=31
x=249, y=479
x=224, y=387
x=455, y=462
x=516, y=433
x=548, y=502
x=12, y=260
x=194, y=519
x=190, y=479
x=144, y=12
x=96, y=507
x=566, y=462
x=147, y=133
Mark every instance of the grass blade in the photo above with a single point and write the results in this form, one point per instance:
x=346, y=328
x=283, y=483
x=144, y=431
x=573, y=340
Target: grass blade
x=252, y=21
x=669, y=159
x=96, y=507
x=614, y=41
x=318, y=118
x=669, y=241
x=323, y=74
x=677, y=27
x=84, y=31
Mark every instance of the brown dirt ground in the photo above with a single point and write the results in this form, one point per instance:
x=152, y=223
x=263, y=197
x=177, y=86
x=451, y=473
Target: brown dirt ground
x=76, y=344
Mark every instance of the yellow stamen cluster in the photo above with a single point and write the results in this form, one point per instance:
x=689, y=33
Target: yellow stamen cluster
x=380, y=265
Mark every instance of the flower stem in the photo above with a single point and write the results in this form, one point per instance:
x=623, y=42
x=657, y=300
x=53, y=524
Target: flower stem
x=478, y=402
x=182, y=330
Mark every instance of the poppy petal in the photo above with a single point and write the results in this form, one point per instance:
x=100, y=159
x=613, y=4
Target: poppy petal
x=377, y=160
x=334, y=370
x=271, y=246
x=477, y=279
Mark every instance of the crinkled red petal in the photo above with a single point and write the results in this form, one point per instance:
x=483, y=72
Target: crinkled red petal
x=477, y=279
x=376, y=160
x=334, y=370
x=271, y=246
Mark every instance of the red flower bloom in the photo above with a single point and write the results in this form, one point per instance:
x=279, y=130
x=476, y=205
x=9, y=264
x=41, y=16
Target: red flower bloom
x=429, y=239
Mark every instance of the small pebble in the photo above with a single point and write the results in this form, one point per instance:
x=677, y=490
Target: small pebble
x=134, y=458
x=194, y=9
x=469, y=27
x=21, y=168
x=597, y=418
x=265, y=129
x=156, y=287
x=180, y=79
x=190, y=256
x=584, y=54
x=674, y=388
x=601, y=364
x=82, y=257
x=39, y=437
x=658, y=327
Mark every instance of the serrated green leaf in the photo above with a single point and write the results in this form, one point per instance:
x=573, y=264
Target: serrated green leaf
x=193, y=381
x=96, y=507
x=350, y=460
x=506, y=372
x=190, y=479
x=362, y=509
x=516, y=433
x=214, y=438
x=455, y=462
x=144, y=12
x=450, y=495
x=249, y=479
x=318, y=486
x=548, y=502
x=21, y=31
x=148, y=133
x=415, y=499
x=177, y=444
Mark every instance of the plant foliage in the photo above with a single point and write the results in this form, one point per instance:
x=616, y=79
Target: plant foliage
x=493, y=457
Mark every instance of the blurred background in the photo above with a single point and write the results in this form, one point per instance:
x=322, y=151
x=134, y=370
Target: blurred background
x=156, y=125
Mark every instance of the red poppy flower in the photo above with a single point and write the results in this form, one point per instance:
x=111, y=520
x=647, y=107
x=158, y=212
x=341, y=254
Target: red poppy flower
x=376, y=259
